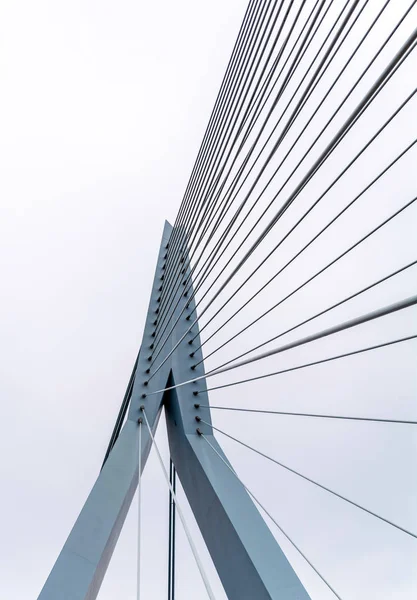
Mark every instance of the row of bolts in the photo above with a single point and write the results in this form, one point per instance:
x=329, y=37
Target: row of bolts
x=195, y=393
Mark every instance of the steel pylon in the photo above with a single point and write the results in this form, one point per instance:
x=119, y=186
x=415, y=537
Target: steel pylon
x=249, y=561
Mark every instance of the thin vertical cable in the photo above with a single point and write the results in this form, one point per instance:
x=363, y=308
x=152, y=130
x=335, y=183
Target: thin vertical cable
x=139, y=506
x=171, y=534
x=181, y=515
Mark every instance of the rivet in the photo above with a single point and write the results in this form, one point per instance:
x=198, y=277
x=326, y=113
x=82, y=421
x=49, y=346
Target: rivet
x=155, y=322
x=140, y=420
x=191, y=355
x=196, y=405
x=193, y=367
x=143, y=396
x=150, y=358
x=198, y=430
x=153, y=334
x=151, y=347
x=142, y=408
x=157, y=311
x=145, y=382
x=195, y=393
x=198, y=419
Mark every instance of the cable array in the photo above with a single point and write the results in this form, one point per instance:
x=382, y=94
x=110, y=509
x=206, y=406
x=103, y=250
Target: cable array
x=292, y=181
x=323, y=487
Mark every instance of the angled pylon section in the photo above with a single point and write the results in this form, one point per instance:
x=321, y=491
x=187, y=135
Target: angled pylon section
x=248, y=559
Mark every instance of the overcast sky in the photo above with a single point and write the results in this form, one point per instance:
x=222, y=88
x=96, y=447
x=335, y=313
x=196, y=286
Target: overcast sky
x=103, y=106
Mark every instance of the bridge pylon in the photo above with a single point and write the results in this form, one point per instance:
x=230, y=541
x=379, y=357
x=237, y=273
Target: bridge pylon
x=248, y=559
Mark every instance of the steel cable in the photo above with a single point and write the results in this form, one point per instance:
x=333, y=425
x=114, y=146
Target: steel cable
x=211, y=205
x=235, y=179
x=383, y=79
x=289, y=262
x=323, y=487
x=275, y=196
x=288, y=370
x=228, y=122
x=225, y=234
x=272, y=518
x=350, y=121
x=298, y=414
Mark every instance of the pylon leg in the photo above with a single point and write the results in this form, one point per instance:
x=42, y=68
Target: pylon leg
x=249, y=561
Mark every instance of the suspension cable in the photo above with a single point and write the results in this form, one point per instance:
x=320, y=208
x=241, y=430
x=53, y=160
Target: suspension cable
x=228, y=122
x=289, y=262
x=282, y=371
x=251, y=150
x=209, y=268
x=402, y=54
x=171, y=534
x=298, y=414
x=366, y=318
x=180, y=514
x=219, y=118
x=326, y=310
x=271, y=517
x=323, y=487
x=203, y=271
x=369, y=234
x=233, y=184
x=309, y=176
x=307, y=40
x=210, y=214
x=139, y=508
x=386, y=41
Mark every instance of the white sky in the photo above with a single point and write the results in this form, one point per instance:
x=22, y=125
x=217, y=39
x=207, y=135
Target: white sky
x=102, y=109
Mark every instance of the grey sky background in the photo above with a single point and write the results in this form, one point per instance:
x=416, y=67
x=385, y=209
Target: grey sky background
x=103, y=108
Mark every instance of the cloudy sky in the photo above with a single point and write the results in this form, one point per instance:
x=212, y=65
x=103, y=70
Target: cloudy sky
x=103, y=107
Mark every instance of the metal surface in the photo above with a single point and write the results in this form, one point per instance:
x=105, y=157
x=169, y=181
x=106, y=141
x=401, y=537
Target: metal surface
x=246, y=555
x=171, y=533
